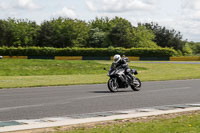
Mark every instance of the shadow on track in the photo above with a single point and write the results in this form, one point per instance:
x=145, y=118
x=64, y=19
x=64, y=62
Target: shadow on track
x=120, y=91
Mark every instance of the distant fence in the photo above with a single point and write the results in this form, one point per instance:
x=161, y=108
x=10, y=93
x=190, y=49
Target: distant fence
x=194, y=58
x=131, y=58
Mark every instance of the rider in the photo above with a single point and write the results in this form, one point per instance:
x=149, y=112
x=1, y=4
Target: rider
x=125, y=58
x=122, y=62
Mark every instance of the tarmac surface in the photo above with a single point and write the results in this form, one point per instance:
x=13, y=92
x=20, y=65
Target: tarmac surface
x=40, y=102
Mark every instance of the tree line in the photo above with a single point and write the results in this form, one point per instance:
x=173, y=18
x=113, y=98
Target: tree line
x=97, y=33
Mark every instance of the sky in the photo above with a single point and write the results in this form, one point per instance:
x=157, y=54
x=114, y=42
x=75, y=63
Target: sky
x=181, y=15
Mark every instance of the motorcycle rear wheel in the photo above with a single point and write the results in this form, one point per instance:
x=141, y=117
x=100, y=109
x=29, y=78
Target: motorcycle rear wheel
x=136, y=85
x=112, y=85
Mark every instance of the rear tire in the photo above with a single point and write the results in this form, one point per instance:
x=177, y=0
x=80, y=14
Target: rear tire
x=112, y=85
x=136, y=85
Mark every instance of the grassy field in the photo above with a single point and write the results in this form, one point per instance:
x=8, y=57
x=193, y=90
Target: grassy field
x=181, y=124
x=30, y=73
x=157, y=72
x=24, y=67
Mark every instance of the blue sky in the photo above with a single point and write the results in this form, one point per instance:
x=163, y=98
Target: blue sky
x=182, y=15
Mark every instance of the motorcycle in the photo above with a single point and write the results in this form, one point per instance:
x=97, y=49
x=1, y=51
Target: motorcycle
x=120, y=80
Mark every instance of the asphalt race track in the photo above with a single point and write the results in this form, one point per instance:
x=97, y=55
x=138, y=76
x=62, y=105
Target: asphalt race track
x=35, y=103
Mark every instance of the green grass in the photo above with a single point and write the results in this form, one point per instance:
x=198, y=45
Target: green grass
x=181, y=124
x=24, y=67
x=169, y=71
x=156, y=72
x=50, y=80
x=30, y=73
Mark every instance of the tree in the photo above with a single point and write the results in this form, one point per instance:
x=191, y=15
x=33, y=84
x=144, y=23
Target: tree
x=7, y=32
x=143, y=38
x=165, y=37
x=187, y=50
x=100, y=32
x=18, y=32
x=96, y=38
x=195, y=46
x=121, y=33
x=46, y=35
x=99, y=29
x=25, y=33
x=3, y=31
x=63, y=32
x=102, y=24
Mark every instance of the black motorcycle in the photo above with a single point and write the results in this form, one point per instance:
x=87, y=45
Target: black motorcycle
x=118, y=79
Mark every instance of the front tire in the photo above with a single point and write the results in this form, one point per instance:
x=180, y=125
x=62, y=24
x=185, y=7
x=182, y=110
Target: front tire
x=112, y=85
x=136, y=84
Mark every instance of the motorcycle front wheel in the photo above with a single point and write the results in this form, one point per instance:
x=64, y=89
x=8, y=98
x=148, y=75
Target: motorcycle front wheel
x=112, y=85
x=136, y=84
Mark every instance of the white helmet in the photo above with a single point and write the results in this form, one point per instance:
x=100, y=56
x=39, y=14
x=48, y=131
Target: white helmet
x=117, y=58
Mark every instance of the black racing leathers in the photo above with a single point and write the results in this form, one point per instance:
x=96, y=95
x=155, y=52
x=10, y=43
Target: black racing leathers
x=123, y=64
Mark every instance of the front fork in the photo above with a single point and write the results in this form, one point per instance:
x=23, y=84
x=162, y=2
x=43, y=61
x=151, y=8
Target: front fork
x=130, y=77
x=133, y=80
x=114, y=80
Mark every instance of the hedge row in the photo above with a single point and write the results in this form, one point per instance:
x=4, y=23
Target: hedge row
x=49, y=51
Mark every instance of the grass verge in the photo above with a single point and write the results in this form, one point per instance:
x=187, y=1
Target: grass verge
x=158, y=72
x=50, y=80
x=24, y=67
x=31, y=73
x=171, y=123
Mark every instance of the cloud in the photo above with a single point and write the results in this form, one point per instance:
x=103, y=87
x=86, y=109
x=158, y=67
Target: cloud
x=66, y=13
x=110, y=6
x=26, y=4
x=189, y=19
x=191, y=4
x=4, y=6
x=191, y=10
